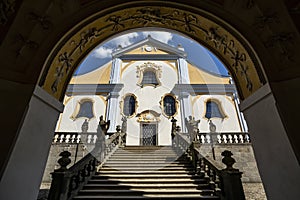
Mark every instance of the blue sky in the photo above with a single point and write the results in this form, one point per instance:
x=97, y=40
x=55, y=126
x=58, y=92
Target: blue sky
x=196, y=53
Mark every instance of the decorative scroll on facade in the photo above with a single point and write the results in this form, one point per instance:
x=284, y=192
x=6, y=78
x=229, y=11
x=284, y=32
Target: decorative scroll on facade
x=231, y=51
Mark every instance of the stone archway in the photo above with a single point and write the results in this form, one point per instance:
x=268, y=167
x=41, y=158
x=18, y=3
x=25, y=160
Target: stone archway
x=277, y=162
x=222, y=39
x=207, y=29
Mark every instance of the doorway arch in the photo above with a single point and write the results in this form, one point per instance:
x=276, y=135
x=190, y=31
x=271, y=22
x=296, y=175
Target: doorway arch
x=207, y=29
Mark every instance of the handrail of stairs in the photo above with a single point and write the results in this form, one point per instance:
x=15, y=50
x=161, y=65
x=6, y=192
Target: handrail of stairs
x=66, y=182
x=226, y=183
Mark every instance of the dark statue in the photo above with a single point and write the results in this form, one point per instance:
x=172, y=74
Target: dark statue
x=85, y=126
x=192, y=126
x=124, y=124
x=103, y=126
x=212, y=127
x=174, y=127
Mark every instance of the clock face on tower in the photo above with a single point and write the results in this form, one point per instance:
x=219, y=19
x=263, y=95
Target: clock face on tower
x=148, y=48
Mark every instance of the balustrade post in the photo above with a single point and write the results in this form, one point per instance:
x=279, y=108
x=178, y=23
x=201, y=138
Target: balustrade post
x=118, y=129
x=61, y=179
x=231, y=179
x=195, y=145
x=176, y=139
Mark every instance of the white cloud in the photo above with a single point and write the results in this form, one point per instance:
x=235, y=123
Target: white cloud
x=128, y=39
x=125, y=40
x=164, y=37
x=102, y=52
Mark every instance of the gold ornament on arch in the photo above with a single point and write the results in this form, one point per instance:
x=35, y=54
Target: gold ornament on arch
x=207, y=32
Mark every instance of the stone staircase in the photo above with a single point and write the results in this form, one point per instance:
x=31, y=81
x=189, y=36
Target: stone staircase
x=146, y=172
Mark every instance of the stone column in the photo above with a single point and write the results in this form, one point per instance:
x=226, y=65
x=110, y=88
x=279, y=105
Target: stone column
x=183, y=71
x=113, y=107
x=276, y=160
x=115, y=70
x=185, y=100
x=185, y=108
x=23, y=174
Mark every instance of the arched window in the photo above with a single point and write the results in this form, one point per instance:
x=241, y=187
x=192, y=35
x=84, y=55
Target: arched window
x=149, y=78
x=213, y=110
x=169, y=105
x=85, y=109
x=129, y=105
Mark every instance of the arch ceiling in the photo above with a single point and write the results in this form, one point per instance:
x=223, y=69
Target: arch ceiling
x=208, y=30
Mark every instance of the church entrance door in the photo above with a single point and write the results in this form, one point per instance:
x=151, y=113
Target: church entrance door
x=148, y=134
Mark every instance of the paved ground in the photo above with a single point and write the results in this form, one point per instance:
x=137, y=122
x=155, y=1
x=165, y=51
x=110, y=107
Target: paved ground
x=254, y=191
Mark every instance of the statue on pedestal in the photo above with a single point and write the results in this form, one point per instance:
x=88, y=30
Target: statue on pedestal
x=212, y=127
x=124, y=124
x=103, y=126
x=173, y=130
x=85, y=126
x=192, y=126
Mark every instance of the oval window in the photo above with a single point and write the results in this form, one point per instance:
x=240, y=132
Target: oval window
x=129, y=105
x=169, y=105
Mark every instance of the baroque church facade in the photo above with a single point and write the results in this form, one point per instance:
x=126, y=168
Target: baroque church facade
x=145, y=86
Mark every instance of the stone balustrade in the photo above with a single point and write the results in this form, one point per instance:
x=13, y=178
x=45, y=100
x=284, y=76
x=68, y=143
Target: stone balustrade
x=226, y=183
x=74, y=138
x=224, y=138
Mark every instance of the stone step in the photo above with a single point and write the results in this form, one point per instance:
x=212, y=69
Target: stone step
x=145, y=151
x=143, y=185
x=121, y=158
x=149, y=172
x=161, y=197
x=111, y=180
x=156, y=158
x=146, y=169
x=107, y=171
x=149, y=191
x=144, y=155
x=145, y=162
x=147, y=147
x=147, y=176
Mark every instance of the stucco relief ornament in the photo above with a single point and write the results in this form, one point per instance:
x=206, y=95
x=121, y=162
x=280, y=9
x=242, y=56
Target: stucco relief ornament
x=148, y=116
x=140, y=69
x=86, y=37
x=282, y=41
x=66, y=64
x=263, y=21
x=7, y=7
x=183, y=21
x=43, y=21
x=148, y=67
x=25, y=43
x=228, y=47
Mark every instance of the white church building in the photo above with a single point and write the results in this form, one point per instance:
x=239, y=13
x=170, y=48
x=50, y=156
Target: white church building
x=143, y=87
